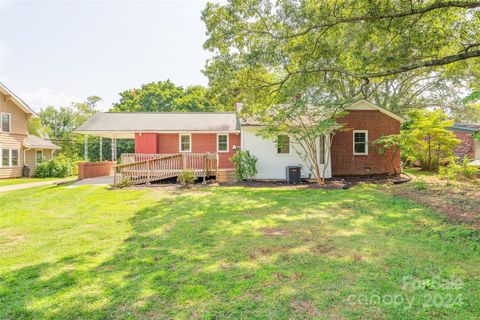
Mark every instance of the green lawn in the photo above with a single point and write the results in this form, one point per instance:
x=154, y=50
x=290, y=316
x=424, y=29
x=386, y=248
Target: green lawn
x=11, y=182
x=232, y=253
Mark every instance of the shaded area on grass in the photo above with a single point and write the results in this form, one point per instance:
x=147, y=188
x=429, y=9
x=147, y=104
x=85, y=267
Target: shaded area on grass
x=218, y=253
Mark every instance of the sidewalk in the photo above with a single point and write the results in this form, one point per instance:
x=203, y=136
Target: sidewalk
x=34, y=184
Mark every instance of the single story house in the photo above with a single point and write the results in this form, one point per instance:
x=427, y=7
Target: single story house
x=17, y=147
x=222, y=133
x=468, y=147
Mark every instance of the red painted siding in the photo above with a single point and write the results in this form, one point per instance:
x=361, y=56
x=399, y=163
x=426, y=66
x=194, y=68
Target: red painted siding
x=344, y=162
x=168, y=143
x=146, y=143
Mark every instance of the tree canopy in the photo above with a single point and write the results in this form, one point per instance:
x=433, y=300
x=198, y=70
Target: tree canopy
x=165, y=96
x=265, y=52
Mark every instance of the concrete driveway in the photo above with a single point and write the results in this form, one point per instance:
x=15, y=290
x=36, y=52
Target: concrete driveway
x=97, y=181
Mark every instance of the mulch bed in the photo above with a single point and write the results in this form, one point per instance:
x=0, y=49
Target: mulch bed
x=459, y=201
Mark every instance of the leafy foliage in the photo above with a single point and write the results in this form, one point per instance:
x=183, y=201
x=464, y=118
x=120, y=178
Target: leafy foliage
x=426, y=139
x=186, y=177
x=454, y=170
x=59, y=167
x=401, y=54
x=165, y=96
x=304, y=119
x=60, y=124
x=245, y=165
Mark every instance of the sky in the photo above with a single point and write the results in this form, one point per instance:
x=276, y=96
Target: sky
x=57, y=52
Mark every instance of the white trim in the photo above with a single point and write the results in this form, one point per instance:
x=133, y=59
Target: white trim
x=36, y=163
x=366, y=142
x=228, y=142
x=9, y=122
x=180, y=142
x=18, y=158
x=9, y=158
x=289, y=145
x=18, y=102
x=367, y=105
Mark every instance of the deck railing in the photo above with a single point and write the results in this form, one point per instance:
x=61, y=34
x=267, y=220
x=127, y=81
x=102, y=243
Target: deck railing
x=137, y=157
x=162, y=166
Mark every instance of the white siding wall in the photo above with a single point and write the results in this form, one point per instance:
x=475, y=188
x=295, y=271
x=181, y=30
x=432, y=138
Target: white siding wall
x=270, y=164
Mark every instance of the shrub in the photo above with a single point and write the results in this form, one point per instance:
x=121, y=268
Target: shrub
x=245, y=165
x=60, y=167
x=457, y=171
x=186, y=177
x=124, y=183
x=421, y=185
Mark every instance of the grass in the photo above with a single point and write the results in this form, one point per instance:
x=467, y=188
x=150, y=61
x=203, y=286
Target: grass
x=15, y=181
x=232, y=253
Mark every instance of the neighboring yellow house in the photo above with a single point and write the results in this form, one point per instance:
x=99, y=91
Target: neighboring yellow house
x=17, y=147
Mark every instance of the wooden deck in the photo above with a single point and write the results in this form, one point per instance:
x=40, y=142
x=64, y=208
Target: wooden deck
x=146, y=168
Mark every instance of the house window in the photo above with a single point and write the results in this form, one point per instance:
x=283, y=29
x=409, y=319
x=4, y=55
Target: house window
x=360, y=142
x=283, y=144
x=6, y=122
x=222, y=142
x=39, y=156
x=14, y=158
x=321, y=150
x=185, y=143
x=5, y=157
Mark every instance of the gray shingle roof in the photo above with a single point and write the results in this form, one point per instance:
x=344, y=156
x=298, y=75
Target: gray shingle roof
x=161, y=121
x=473, y=127
x=35, y=142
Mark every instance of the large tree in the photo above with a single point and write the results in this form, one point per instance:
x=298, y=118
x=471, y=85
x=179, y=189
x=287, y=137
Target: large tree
x=165, y=96
x=263, y=50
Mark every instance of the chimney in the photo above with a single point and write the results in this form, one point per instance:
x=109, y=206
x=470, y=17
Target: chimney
x=238, y=107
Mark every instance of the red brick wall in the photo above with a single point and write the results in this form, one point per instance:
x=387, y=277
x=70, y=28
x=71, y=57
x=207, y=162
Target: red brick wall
x=146, y=143
x=168, y=143
x=94, y=169
x=466, y=148
x=344, y=162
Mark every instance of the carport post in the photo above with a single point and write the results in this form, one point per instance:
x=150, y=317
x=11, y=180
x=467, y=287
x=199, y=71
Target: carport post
x=85, y=148
x=114, y=149
x=101, y=149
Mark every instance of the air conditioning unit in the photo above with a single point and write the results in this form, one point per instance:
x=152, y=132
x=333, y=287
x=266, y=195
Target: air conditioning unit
x=294, y=174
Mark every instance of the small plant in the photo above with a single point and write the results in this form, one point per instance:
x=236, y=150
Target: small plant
x=421, y=185
x=456, y=171
x=245, y=165
x=186, y=178
x=124, y=183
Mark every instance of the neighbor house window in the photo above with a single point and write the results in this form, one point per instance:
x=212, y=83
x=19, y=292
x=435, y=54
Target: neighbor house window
x=185, y=143
x=360, y=142
x=39, y=156
x=6, y=122
x=321, y=150
x=222, y=142
x=5, y=157
x=14, y=158
x=283, y=144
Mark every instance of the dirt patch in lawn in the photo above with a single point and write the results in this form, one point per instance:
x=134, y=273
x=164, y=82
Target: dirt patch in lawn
x=275, y=232
x=457, y=200
x=8, y=238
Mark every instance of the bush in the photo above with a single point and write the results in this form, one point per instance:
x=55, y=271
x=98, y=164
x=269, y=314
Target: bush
x=456, y=171
x=124, y=183
x=60, y=167
x=245, y=165
x=186, y=177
